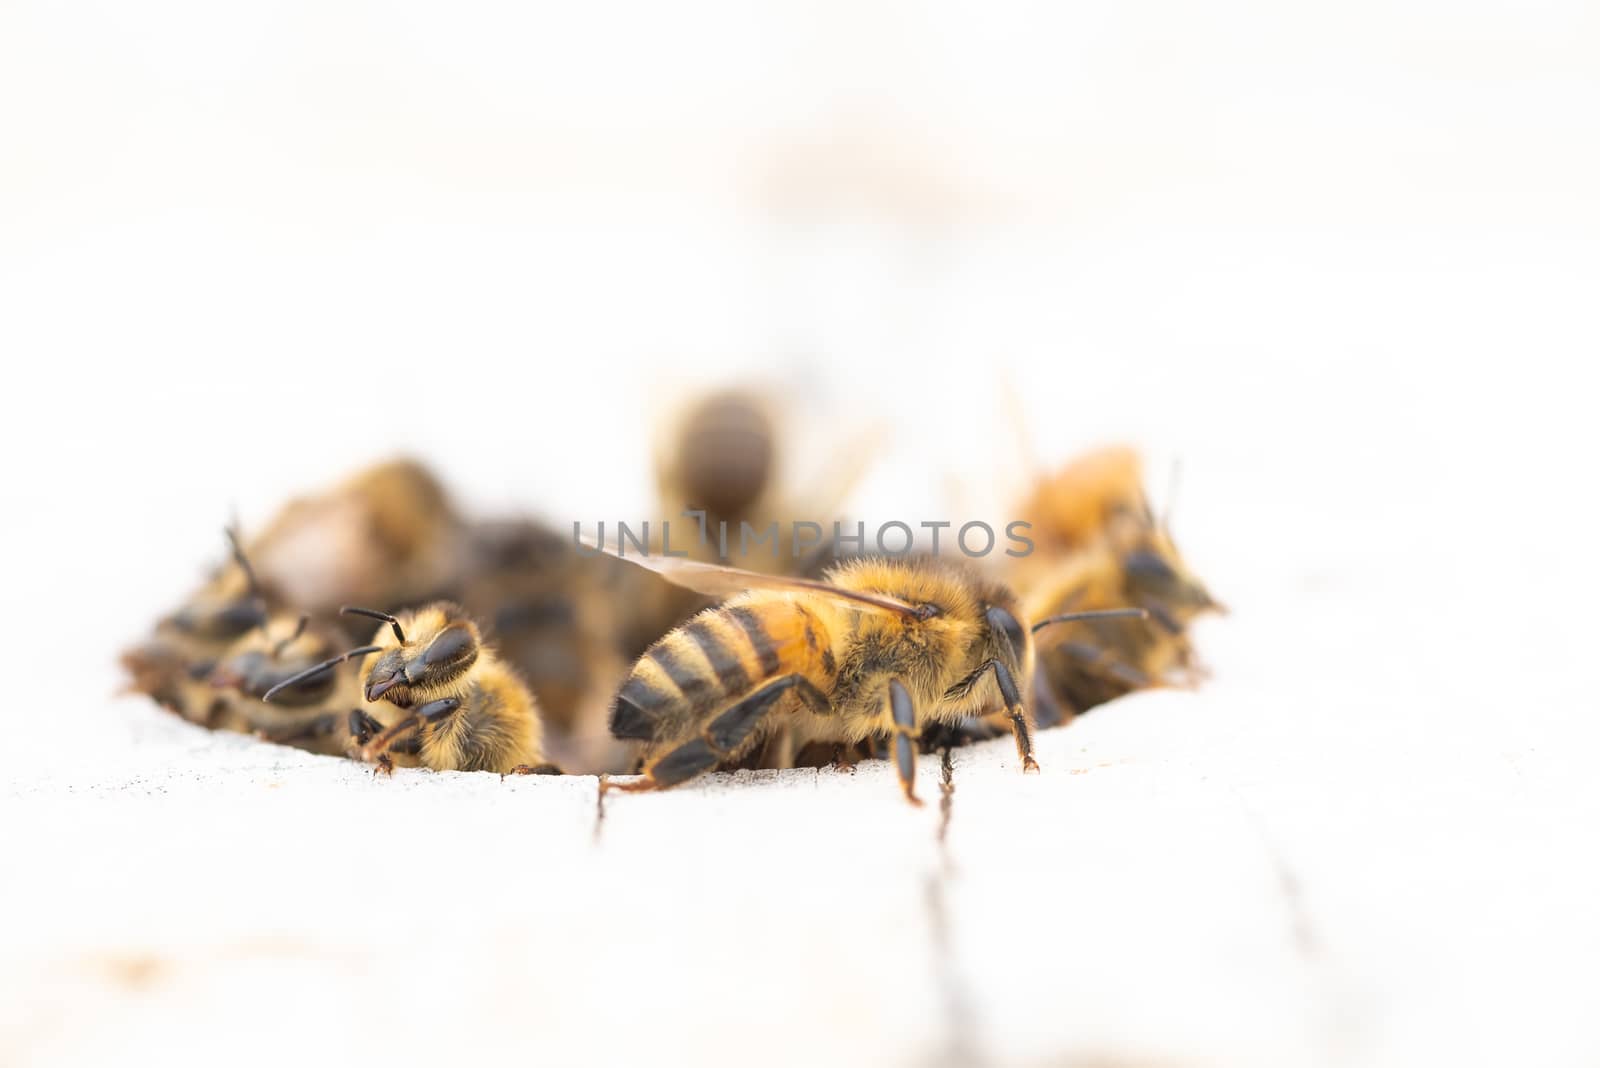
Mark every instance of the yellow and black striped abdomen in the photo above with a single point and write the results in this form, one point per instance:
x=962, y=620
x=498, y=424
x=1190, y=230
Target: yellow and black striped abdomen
x=719, y=656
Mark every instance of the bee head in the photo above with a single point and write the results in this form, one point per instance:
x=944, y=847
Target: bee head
x=220, y=619
x=1006, y=634
x=431, y=649
x=229, y=606
x=1008, y=640
x=279, y=652
x=1154, y=573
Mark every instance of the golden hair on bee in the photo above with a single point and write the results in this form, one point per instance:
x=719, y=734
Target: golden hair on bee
x=1078, y=504
x=434, y=690
x=1099, y=546
x=880, y=649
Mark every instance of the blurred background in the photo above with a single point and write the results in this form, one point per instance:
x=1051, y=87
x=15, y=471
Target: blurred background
x=1341, y=260
x=1340, y=252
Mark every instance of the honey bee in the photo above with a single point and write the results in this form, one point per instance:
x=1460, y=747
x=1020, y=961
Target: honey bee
x=439, y=697
x=727, y=461
x=305, y=714
x=1098, y=545
x=387, y=535
x=879, y=650
x=1079, y=504
x=722, y=470
x=174, y=665
x=721, y=457
x=564, y=621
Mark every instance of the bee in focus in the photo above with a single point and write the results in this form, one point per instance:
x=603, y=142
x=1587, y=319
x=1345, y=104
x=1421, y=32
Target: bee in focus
x=437, y=696
x=879, y=651
x=1098, y=544
x=717, y=465
x=726, y=465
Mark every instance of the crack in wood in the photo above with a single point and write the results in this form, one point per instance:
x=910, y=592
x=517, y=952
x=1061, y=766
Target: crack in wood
x=958, y=1014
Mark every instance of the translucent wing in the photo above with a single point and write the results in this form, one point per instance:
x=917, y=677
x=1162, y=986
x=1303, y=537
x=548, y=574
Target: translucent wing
x=714, y=580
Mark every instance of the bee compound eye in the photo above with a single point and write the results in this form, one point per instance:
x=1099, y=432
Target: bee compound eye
x=1146, y=566
x=239, y=616
x=451, y=645
x=1005, y=623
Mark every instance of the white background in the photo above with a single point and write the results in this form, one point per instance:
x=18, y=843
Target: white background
x=1341, y=260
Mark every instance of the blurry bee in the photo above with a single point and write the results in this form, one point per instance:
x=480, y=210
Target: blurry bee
x=174, y=665
x=229, y=605
x=878, y=651
x=721, y=457
x=387, y=535
x=1100, y=545
x=727, y=461
x=566, y=622
x=306, y=714
x=437, y=696
x=1083, y=501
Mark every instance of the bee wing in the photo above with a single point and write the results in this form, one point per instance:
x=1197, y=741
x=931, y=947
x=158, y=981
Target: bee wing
x=714, y=580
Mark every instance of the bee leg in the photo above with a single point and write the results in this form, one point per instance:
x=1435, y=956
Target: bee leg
x=904, y=715
x=534, y=769
x=1048, y=711
x=434, y=711
x=305, y=730
x=391, y=736
x=1159, y=613
x=937, y=736
x=1017, y=712
x=363, y=728
x=724, y=735
x=1103, y=663
x=844, y=759
x=394, y=737
x=779, y=751
x=678, y=765
x=383, y=764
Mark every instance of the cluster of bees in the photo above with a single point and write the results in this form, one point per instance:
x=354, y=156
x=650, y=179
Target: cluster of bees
x=374, y=621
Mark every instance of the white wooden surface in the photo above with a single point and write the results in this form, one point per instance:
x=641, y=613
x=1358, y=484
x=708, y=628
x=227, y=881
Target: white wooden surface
x=1272, y=871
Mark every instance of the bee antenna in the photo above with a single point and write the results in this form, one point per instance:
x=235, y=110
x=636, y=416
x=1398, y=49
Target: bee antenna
x=1172, y=495
x=1105, y=613
x=299, y=629
x=231, y=531
x=313, y=672
x=373, y=613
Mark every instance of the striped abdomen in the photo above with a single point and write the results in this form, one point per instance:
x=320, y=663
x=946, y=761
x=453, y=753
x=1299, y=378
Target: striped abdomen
x=717, y=657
